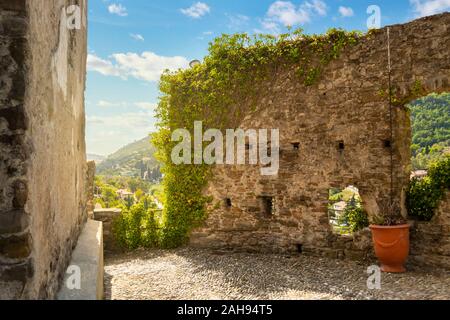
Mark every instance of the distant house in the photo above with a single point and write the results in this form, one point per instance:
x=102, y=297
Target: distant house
x=336, y=210
x=339, y=207
x=353, y=189
x=125, y=194
x=419, y=174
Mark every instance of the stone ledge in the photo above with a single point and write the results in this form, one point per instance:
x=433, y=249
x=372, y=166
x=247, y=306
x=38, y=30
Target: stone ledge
x=88, y=256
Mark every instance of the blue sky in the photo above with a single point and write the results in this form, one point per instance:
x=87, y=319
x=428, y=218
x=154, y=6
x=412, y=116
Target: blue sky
x=132, y=41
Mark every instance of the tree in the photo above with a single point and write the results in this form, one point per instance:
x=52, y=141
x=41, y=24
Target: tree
x=354, y=215
x=139, y=194
x=430, y=118
x=109, y=196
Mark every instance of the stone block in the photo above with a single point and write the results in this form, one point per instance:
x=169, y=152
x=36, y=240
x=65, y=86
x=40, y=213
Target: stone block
x=13, y=221
x=13, y=5
x=15, y=246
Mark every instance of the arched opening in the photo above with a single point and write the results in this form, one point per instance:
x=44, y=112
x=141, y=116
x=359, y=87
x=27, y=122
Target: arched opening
x=430, y=151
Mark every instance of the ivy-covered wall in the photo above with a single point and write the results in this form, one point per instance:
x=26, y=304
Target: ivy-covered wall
x=328, y=97
x=345, y=104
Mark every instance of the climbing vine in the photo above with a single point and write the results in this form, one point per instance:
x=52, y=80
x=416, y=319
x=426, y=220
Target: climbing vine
x=219, y=92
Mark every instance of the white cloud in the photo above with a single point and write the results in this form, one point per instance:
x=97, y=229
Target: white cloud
x=137, y=37
x=105, y=67
x=197, y=10
x=286, y=13
x=129, y=120
x=147, y=66
x=208, y=33
x=316, y=6
x=106, y=134
x=269, y=26
x=237, y=21
x=346, y=11
x=429, y=7
x=110, y=104
x=118, y=9
x=146, y=105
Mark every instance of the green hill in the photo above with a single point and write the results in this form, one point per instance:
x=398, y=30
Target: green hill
x=133, y=160
x=431, y=129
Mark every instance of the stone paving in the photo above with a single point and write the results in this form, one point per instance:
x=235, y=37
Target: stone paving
x=204, y=275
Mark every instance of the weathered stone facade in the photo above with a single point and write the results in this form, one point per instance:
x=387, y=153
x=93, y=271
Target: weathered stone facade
x=107, y=217
x=333, y=134
x=430, y=241
x=90, y=187
x=42, y=147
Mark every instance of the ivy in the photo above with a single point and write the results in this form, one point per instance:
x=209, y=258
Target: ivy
x=424, y=195
x=137, y=227
x=216, y=92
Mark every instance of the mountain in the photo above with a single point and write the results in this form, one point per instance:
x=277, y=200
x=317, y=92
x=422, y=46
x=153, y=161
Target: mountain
x=133, y=160
x=95, y=157
x=430, y=118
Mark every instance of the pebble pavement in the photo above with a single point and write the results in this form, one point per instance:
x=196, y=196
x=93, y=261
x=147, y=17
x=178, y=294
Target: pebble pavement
x=193, y=274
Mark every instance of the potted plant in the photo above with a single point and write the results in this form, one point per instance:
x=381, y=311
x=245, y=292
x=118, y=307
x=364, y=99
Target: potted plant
x=390, y=235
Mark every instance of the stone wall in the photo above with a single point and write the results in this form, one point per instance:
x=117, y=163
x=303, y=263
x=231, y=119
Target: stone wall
x=107, y=216
x=333, y=134
x=90, y=186
x=42, y=148
x=430, y=241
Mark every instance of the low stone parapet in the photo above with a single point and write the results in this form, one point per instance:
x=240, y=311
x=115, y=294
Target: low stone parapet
x=84, y=277
x=107, y=216
x=430, y=241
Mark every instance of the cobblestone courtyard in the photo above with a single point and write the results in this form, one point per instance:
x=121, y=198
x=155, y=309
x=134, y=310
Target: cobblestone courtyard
x=196, y=274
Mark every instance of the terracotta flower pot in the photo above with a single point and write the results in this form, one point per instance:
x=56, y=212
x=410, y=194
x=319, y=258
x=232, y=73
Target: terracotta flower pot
x=391, y=245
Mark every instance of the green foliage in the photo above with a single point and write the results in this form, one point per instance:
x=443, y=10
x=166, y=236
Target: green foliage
x=439, y=172
x=335, y=195
x=354, y=216
x=106, y=190
x=424, y=195
x=107, y=187
x=100, y=202
x=430, y=117
x=109, y=196
x=157, y=191
x=137, y=227
x=133, y=160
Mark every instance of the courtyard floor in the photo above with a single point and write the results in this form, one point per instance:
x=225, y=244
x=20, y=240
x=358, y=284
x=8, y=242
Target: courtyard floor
x=199, y=274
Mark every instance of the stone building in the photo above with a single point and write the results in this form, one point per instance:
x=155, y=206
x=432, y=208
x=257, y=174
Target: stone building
x=42, y=146
x=333, y=134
